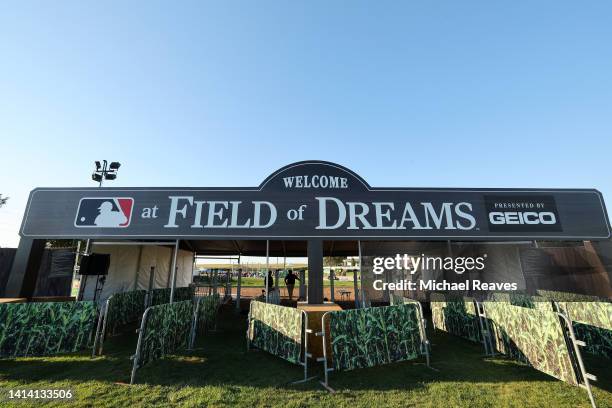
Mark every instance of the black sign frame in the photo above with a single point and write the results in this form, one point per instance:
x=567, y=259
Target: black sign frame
x=439, y=213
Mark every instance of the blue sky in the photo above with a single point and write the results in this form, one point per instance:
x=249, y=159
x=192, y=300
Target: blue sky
x=457, y=94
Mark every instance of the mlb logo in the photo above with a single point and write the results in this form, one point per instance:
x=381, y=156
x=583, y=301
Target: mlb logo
x=104, y=212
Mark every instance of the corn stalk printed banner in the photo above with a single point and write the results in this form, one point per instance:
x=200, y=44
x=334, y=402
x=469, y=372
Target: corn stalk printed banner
x=455, y=315
x=374, y=336
x=124, y=308
x=161, y=296
x=400, y=300
x=592, y=323
x=166, y=330
x=567, y=296
x=524, y=300
x=591, y=319
x=276, y=329
x=40, y=329
x=533, y=336
x=207, y=313
x=396, y=300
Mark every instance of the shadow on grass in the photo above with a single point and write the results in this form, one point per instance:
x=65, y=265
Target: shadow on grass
x=600, y=367
x=221, y=359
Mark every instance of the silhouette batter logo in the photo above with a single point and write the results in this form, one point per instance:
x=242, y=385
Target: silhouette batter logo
x=104, y=212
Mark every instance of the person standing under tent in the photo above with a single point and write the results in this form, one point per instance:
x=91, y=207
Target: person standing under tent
x=270, y=282
x=290, y=282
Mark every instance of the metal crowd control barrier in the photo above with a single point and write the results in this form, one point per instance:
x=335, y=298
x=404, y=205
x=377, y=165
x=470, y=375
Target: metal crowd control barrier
x=194, y=324
x=568, y=329
x=307, y=355
x=103, y=318
x=101, y=330
x=97, y=335
x=136, y=356
x=306, y=331
x=198, y=298
x=485, y=330
x=326, y=370
x=141, y=331
x=425, y=346
x=323, y=333
x=586, y=377
x=100, y=333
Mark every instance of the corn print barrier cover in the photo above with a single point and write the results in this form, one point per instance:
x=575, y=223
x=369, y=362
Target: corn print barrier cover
x=276, y=329
x=374, y=336
x=455, y=315
x=40, y=329
x=533, y=336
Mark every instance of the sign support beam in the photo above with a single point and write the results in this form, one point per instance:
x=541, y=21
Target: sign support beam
x=315, y=271
x=267, y=270
x=24, y=273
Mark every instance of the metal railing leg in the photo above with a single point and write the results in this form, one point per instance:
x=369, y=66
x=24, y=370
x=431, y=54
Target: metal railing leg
x=306, y=332
x=97, y=336
x=194, y=324
x=586, y=377
x=138, y=346
x=324, y=359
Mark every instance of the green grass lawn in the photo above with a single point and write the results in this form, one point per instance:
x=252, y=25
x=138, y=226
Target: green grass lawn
x=220, y=372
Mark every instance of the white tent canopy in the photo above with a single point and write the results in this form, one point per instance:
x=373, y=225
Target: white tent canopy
x=130, y=266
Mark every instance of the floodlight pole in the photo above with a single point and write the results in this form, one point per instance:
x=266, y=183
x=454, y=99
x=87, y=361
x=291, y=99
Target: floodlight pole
x=102, y=173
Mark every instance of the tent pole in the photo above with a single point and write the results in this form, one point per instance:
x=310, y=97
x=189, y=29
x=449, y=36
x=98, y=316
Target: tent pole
x=267, y=267
x=238, y=284
x=228, y=282
x=140, y=247
x=276, y=275
x=332, y=296
x=302, y=295
x=173, y=278
x=150, y=287
x=193, y=266
x=83, y=280
x=356, y=289
x=361, y=292
x=387, y=280
x=75, y=268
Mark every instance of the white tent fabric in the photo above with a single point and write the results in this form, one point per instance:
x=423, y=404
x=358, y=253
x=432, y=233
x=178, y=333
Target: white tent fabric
x=130, y=267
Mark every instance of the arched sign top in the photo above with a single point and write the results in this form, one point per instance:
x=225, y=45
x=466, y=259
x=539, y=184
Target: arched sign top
x=314, y=175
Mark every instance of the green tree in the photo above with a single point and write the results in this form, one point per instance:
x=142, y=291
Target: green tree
x=333, y=260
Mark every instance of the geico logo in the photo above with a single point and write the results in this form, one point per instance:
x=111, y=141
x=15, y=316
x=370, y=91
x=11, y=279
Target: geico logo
x=528, y=217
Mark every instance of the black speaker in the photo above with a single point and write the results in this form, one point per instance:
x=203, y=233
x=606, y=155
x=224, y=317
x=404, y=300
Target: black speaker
x=95, y=264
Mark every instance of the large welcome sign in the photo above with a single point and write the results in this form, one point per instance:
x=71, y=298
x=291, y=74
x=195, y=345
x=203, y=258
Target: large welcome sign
x=315, y=199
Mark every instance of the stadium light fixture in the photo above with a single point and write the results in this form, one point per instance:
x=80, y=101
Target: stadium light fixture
x=105, y=172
